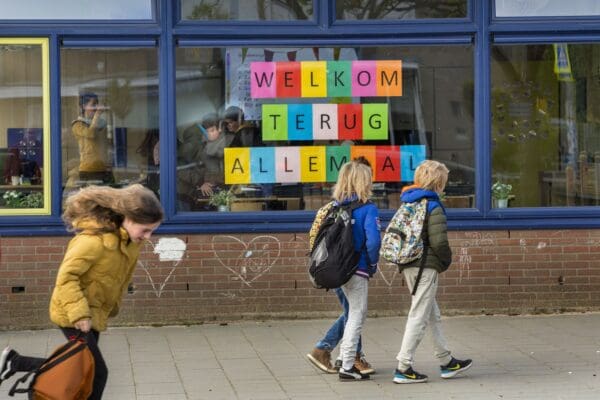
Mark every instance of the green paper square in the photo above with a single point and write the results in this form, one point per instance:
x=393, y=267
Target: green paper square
x=336, y=156
x=274, y=122
x=342, y=85
x=375, y=121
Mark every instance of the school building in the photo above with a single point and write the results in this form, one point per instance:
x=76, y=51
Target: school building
x=238, y=114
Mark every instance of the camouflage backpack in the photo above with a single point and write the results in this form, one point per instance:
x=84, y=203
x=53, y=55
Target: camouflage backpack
x=402, y=242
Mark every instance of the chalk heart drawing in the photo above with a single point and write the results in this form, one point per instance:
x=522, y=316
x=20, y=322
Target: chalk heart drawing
x=388, y=272
x=169, y=250
x=254, y=259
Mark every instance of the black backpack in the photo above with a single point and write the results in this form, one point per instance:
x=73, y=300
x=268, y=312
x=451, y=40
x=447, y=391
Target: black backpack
x=333, y=259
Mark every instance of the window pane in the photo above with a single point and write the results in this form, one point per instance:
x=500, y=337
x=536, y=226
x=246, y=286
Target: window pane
x=78, y=10
x=247, y=10
x=546, y=123
x=109, y=117
x=546, y=8
x=23, y=129
x=394, y=9
x=231, y=137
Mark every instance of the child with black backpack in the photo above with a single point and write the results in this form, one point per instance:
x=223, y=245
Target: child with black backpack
x=354, y=188
x=430, y=180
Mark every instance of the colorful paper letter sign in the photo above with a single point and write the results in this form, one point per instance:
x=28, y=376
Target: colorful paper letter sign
x=287, y=164
x=314, y=78
x=274, y=119
x=336, y=157
x=300, y=122
x=312, y=160
x=319, y=79
x=262, y=164
x=410, y=157
x=375, y=121
x=387, y=164
x=290, y=164
x=237, y=165
x=289, y=79
x=262, y=80
x=325, y=121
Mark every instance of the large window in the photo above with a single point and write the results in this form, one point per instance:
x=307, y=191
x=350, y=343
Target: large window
x=109, y=101
x=247, y=10
x=269, y=127
x=546, y=123
x=24, y=127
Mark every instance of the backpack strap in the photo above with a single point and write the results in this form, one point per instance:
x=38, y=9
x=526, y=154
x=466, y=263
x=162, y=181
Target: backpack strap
x=423, y=256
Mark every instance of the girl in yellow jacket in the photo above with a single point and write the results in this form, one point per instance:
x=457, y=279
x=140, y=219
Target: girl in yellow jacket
x=110, y=225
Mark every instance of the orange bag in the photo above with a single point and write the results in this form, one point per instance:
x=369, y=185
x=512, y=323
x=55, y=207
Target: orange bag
x=68, y=374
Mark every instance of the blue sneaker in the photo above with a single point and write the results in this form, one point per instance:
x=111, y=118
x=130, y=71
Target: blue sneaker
x=409, y=376
x=455, y=367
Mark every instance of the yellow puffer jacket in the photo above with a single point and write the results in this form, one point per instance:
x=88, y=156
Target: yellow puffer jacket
x=95, y=272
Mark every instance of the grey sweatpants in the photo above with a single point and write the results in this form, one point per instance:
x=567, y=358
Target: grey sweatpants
x=424, y=311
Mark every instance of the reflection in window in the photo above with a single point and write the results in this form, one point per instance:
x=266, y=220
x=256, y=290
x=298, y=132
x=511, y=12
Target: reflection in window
x=545, y=123
x=233, y=153
x=247, y=10
x=78, y=10
x=23, y=125
x=399, y=9
x=109, y=117
x=546, y=8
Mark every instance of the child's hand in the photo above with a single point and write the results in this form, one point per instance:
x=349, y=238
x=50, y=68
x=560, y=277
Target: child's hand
x=84, y=325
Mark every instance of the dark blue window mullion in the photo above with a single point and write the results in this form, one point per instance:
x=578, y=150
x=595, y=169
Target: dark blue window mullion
x=482, y=93
x=55, y=128
x=166, y=109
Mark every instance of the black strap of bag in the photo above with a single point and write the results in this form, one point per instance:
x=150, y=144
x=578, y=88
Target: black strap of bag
x=421, y=268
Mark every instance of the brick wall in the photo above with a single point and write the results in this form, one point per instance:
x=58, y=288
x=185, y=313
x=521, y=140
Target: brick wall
x=233, y=276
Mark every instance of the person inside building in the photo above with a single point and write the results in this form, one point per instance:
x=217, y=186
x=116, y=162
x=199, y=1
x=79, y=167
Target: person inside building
x=246, y=133
x=90, y=130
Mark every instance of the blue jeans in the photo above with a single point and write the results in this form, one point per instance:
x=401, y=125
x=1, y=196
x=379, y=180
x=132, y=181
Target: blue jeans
x=335, y=334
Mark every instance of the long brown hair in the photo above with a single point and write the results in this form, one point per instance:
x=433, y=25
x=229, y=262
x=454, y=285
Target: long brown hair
x=109, y=206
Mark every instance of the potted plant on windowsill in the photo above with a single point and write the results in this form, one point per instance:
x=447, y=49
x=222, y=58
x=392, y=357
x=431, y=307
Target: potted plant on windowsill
x=501, y=193
x=222, y=199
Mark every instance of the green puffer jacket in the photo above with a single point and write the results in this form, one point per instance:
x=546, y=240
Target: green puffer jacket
x=435, y=235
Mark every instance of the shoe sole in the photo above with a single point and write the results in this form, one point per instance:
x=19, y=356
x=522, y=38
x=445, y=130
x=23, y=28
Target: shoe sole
x=368, y=371
x=345, y=378
x=452, y=374
x=3, y=358
x=403, y=381
x=319, y=365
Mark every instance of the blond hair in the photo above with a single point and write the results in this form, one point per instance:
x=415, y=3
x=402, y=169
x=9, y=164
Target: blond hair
x=110, y=206
x=431, y=175
x=354, y=178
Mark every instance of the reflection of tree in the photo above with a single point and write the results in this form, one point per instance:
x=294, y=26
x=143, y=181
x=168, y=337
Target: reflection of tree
x=524, y=137
x=211, y=9
x=208, y=9
x=398, y=9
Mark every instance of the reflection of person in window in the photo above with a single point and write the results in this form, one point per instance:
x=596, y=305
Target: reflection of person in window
x=246, y=134
x=149, y=150
x=214, y=141
x=90, y=131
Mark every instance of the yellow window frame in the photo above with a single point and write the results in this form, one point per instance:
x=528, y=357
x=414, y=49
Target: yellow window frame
x=44, y=43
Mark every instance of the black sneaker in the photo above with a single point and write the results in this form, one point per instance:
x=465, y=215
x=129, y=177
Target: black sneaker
x=338, y=365
x=409, y=376
x=6, y=358
x=455, y=367
x=352, y=374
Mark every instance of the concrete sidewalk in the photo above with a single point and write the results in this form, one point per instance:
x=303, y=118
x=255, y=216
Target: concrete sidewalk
x=531, y=357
